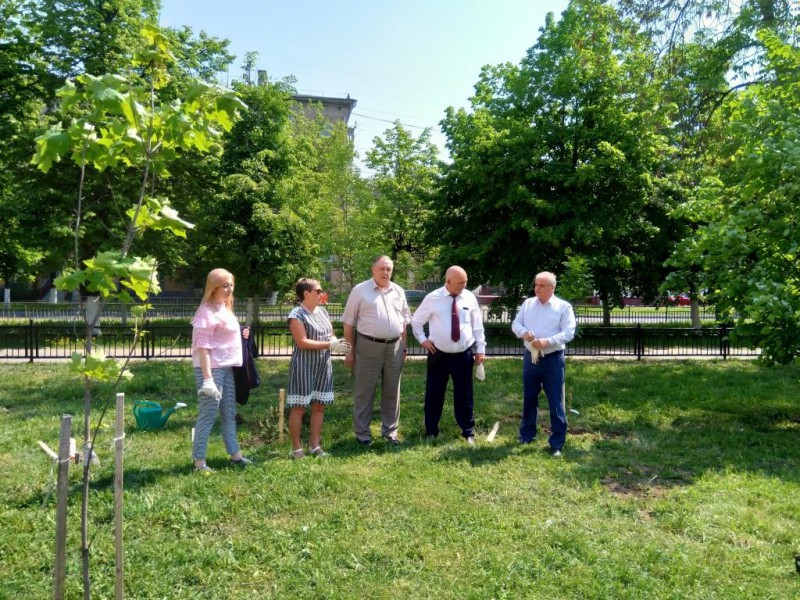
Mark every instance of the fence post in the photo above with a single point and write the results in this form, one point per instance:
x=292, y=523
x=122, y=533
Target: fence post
x=639, y=343
x=144, y=343
x=724, y=344
x=29, y=341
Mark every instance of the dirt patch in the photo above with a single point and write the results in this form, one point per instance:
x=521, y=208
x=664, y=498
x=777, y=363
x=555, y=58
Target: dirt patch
x=640, y=482
x=264, y=431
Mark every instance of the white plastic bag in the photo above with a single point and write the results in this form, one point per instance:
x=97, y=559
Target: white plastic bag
x=535, y=352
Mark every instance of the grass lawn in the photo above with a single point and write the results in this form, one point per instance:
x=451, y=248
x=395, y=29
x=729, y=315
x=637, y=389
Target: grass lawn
x=679, y=480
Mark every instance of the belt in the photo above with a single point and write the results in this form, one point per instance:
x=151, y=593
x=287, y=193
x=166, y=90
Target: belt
x=379, y=340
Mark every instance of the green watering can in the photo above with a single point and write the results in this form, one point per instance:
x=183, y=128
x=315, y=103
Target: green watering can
x=150, y=415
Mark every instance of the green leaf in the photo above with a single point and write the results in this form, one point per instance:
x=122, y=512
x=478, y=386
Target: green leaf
x=50, y=147
x=70, y=281
x=98, y=367
x=168, y=220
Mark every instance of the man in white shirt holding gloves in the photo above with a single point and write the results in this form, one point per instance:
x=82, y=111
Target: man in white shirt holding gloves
x=455, y=326
x=547, y=323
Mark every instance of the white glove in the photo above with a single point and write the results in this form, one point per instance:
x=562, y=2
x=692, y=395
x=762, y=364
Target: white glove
x=339, y=346
x=535, y=352
x=209, y=388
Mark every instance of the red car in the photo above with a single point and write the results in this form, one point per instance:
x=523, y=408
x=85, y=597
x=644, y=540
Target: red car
x=680, y=299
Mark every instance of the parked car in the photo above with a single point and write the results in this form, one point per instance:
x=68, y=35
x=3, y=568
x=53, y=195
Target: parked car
x=415, y=296
x=680, y=299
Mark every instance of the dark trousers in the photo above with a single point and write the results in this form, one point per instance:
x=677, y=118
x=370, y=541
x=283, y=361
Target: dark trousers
x=547, y=375
x=441, y=367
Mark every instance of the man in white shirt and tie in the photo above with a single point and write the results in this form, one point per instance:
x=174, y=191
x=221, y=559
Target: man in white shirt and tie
x=547, y=323
x=455, y=327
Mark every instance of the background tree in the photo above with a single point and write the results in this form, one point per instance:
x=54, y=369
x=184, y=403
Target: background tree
x=708, y=50
x=328, y=194
x=407, y=171
x=23, y=81
x=250, y=61
x=557, y=160
x=90, y=36
x=45, y=41
x=748, y=244
x=249, y=225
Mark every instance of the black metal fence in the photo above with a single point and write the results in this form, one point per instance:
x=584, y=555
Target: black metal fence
x=37, y=341
x=183, y=309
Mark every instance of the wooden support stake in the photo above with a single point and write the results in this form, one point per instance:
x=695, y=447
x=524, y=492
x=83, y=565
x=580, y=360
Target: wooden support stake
x=119, y=438
x=281, y=405
x=47, y=450
x=62, y=488
x=493, y=432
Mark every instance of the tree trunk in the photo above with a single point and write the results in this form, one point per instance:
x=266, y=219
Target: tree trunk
x=694, y=312
x=248, y=316
x=606, y=309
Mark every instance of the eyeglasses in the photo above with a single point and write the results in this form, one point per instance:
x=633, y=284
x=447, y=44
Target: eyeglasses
x=320, y=291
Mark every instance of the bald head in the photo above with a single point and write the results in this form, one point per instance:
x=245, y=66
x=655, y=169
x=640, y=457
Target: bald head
x=455, y=280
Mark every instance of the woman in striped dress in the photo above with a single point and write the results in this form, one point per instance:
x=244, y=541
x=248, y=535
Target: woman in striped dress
x=310, y=371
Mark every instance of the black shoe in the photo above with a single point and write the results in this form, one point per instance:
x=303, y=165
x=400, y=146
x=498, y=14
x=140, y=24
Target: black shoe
x=364, y=443
x=392, y=440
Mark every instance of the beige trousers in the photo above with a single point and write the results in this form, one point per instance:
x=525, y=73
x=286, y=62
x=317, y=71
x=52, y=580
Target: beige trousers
x=376, y=361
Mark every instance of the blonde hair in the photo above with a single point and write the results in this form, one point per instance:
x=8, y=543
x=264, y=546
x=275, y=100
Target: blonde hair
x=215, y=279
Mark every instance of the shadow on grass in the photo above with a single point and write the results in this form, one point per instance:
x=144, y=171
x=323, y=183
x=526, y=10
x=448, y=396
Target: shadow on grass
x=688, y=420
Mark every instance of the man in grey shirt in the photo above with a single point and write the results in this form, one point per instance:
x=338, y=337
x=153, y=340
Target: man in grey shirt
x=375, y=319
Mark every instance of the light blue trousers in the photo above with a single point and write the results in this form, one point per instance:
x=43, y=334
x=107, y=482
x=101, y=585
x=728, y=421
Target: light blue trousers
x=207, y=409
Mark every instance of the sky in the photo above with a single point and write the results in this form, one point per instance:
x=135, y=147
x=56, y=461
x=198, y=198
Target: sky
x=405, y=60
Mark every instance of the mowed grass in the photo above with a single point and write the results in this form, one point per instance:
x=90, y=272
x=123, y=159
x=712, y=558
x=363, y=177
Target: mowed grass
x=679, y=480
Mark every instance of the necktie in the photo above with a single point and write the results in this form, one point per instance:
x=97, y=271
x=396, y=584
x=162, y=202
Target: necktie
x=455, y=327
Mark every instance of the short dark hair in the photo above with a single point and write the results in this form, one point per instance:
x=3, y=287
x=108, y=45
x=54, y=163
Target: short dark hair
x=303, y=285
